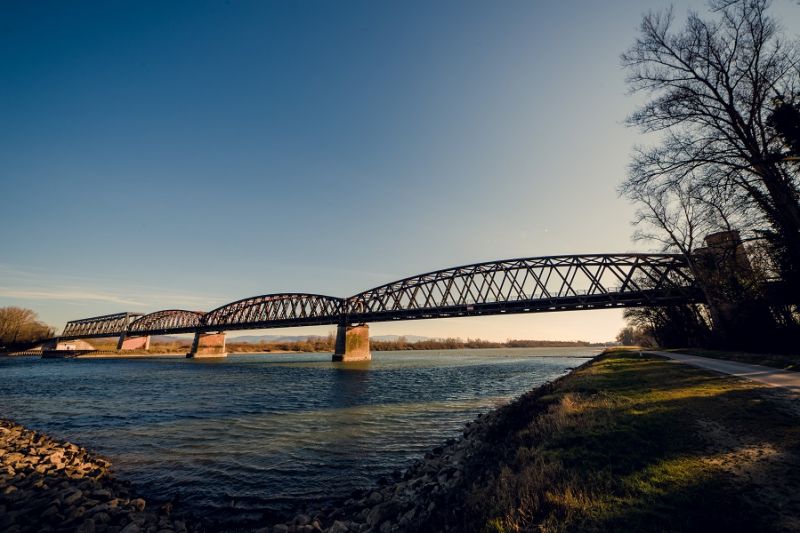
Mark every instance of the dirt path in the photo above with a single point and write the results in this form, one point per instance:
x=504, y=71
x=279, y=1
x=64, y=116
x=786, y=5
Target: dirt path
x=762, y=374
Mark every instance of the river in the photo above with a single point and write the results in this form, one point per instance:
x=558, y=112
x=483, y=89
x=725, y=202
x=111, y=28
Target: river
x=267, y=433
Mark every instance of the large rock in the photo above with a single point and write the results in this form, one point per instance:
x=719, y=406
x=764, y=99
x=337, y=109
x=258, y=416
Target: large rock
x=337, y=527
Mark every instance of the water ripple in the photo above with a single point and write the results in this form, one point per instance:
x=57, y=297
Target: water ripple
x=267, y=433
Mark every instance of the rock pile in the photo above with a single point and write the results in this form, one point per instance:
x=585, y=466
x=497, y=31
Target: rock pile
x=47, y=485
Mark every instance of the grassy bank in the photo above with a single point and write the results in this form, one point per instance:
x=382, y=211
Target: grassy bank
x=634, y=443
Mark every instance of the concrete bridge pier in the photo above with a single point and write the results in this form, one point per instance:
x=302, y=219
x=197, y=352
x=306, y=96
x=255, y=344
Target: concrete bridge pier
x=352, y=343
x=133, y=342
x=208, y=345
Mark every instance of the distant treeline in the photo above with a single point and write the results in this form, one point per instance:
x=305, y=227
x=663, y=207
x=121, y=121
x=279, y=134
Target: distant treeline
x=455, y=343
x=312, y=344
x=155, y=347
x=326, y=344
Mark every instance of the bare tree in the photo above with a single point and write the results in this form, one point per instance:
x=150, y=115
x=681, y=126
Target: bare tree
x=712, y=86
x=636, y=336
x=669, y=216
x=670, y=326
x=19, y=326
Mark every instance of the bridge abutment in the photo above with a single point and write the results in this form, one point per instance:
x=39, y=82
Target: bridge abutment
x=133, y=343
x=352, y=343
x=208, y=345
x=728, y=279
x=68, y=345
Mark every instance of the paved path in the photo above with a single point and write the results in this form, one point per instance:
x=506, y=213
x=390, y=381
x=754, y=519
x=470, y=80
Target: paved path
x=762, y=374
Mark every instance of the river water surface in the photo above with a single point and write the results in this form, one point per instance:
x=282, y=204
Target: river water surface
x=272, y=432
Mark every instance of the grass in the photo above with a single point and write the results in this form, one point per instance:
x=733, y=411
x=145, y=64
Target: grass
x=633, y=442
x=782, y=361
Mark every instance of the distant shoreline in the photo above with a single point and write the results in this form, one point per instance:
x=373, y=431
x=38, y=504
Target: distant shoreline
x=326, y=345
x=133, y=354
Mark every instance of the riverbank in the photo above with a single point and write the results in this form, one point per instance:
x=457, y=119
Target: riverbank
x=623, y=443
x=47, y=485
x=626, y=442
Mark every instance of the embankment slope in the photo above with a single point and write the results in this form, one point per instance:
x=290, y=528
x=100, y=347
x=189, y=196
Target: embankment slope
x=627, y=442
x=634, y=442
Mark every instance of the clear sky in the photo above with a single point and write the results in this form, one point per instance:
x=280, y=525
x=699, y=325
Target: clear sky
x=187, y=154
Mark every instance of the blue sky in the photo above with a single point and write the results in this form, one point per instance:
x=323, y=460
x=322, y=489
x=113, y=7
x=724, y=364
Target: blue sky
x=186, y=154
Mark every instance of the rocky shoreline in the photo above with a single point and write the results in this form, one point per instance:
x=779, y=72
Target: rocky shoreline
x=47, y=485
x=56, y=486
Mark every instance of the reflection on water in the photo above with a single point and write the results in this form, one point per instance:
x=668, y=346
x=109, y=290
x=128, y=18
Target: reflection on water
x=267, y=432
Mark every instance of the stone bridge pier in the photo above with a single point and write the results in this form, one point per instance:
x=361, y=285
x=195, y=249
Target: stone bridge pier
x=352, y=343
x=208, y=345
x=133, y=342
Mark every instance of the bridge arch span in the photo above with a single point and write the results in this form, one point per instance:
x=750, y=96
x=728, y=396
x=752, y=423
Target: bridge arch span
x=98, y=326
x=551, y=283
x=275, y=310
x=166, y=321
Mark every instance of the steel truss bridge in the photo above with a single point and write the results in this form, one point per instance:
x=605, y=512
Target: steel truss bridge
x=528, y=285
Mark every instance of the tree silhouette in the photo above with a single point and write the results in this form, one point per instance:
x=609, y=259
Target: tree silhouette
x=712, y=86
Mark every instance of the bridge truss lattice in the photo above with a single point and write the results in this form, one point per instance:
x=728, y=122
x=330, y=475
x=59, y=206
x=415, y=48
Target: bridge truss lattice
x=536, y=284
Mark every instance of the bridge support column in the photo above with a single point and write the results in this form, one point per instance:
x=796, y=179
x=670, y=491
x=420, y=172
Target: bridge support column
x=208, y=345
x=352, y=343
x=133, y=343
